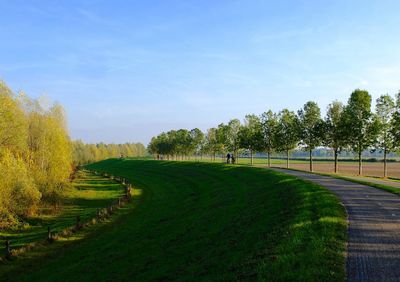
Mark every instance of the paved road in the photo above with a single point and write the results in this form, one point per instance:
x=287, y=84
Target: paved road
x=374, y=228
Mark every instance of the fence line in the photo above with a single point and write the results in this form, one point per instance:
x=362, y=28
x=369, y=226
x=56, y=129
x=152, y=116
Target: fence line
x=101, y=214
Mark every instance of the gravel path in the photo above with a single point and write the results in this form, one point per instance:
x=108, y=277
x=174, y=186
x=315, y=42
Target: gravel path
x=373, y=252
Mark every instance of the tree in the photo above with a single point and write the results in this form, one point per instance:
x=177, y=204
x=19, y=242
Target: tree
x=385, y=108
x=287, y=132
x=231, y=136
x=250, y=135
x=49, y=150
x=196, y=140
x=361, y=127
x=213, y=142
x=19, y=194
x=334, y=136
x=310, y=126
x=269, y=123
x=13, y=125
x=182, y=140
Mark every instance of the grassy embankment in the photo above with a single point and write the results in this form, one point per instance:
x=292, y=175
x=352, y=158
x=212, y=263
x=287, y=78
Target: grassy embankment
x=209, y=222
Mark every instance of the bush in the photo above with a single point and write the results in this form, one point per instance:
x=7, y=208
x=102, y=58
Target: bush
x=19, y=195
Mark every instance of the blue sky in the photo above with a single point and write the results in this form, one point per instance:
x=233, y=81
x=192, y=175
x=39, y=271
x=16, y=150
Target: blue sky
x=127, y=70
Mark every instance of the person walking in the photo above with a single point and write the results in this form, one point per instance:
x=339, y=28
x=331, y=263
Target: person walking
x=228, y=158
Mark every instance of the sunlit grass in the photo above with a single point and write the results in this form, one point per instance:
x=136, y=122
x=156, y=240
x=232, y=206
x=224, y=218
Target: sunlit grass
x=197, y=221
x=87, y=194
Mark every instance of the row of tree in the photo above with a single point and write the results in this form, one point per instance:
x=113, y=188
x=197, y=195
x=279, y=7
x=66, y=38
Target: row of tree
x=88, y=153
x=353, y=126
x=37, y=156
x=35, y=159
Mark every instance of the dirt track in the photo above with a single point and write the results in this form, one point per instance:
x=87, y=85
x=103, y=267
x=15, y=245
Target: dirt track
x=374, y=228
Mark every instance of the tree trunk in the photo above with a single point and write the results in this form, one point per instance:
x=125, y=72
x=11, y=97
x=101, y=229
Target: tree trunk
x=359, y=163
x=287, y=158
x=336, y=159
x=311, y=161
x=251, y=157
x=384, y=163
x=269, y=159
x=214, y=157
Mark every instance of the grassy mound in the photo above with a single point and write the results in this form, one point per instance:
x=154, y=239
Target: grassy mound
x=209, y=222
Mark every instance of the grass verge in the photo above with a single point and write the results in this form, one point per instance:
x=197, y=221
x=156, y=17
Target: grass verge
x=391, y=189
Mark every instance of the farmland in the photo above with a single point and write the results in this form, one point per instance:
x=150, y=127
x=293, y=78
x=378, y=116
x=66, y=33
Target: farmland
x=346, y=167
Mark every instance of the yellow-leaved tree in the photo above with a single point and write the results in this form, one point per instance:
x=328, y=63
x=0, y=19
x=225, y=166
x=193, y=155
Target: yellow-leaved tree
x=49, y=146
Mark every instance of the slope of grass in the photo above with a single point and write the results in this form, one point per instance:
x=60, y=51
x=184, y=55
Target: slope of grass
x=88, y=193
x=197, y=221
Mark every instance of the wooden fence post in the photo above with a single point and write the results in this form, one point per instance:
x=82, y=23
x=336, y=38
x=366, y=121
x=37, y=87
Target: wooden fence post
x=78, y=222
x=8, y=249
x=49, y=237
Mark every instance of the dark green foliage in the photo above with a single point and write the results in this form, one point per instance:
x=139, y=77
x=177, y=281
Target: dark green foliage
x=311, y=127
x=251, y=135
x=287, y=134
x=361, y=125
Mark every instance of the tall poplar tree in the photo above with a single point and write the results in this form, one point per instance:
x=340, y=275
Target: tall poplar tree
x=361, y=126
x=287, y=132
x=269, y=122
x=334, y=130
x=250, y=135
x=310, y=128
x=385, y=108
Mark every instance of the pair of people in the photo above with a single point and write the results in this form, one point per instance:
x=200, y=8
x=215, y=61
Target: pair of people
x=230, y=159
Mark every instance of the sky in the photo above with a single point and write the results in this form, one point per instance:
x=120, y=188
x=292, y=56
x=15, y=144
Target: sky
x=127, y=70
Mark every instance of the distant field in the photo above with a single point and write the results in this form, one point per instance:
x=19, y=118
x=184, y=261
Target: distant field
x=201, y=221
x=345, y=167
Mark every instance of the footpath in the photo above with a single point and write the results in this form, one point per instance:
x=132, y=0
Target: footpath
x=373, y=251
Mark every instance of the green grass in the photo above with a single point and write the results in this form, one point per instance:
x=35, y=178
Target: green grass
x=198, y=221
x=87, y=194
x=388, y=188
